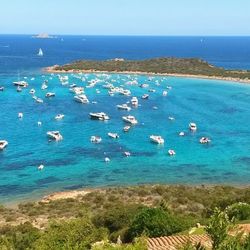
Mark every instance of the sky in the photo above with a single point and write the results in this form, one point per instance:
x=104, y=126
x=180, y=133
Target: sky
x=126, y=17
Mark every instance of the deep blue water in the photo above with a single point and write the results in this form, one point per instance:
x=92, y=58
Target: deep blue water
x=220, y=109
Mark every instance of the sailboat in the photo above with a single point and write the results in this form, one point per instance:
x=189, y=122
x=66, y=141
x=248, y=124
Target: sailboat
x=40, y=52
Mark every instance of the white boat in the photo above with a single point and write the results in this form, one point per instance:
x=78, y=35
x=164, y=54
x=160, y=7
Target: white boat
x=126, y=128
x=77, y=90
x=171, y=152
x=145, y=96
x=40, y=167
x=192, y=126
x=59, y=117
x=21, y=84
x=156, y=139
x=1, y=88
x=50, y=94
x=113, y=135
x=44, y=86
x=99, y=116
x=3, y=144
x=39, y=100
x=171, y=118
x=134, y=101
x=123, y=107
x=81, y=99
x=130, y=119
x=164, y=93
x=19, y=89
x=40, y=52
x=20, y=115
x=32, y=91
x=204, y=140
x=55, y=135
x=127, y=154
x=106, y=159
x=95, y=139
x=181, y=133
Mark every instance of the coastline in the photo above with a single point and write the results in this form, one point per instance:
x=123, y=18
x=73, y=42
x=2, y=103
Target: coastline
x=52, y=69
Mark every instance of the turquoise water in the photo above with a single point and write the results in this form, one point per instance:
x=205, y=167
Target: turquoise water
x=220, y=109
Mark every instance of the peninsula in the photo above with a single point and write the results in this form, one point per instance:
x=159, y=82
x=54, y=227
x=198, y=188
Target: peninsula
x=183, y=67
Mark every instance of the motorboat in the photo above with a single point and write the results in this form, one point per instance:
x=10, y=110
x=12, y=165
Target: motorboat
x=99, y=116
x=39, y=123
x=123, y=107
x=55, y=135
x=22, y=84
x=126, y=128
x=127, y=154
x=40, y=167
x=171, y=152
x=50, y=94
x=164, y=93
x=3, y=144
x=32, y=91
x=181, y=133
x=44, y=86
x=134, y=101
x=130, y=119
x=95, y=139
x=106, y=159
x=192, y=126
x=77, y=90
x=59, y=117
x=1, y=88
x=144, y=85
x=171, y=118
x=113, y=135
x=20, y=115
x=156, y=139
x=145, y=96
x=39, y=100
x=151, y=90
x=19, y=89
x=81, y=99
x=204, y=140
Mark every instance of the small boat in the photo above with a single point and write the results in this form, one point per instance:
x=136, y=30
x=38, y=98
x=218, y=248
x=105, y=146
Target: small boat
x=21, y=84
x=126, y=128
x=156, y=139
x=59, y=117
x=19, y=89
x=20, y=115
x=50, y=94
x=39, y=123
x=40, y=167
x=204, y=140
x=123, y=107
x=181, y=133
x=134, y=101
x=171, y=118
x=40, y=52
x=1, y=88
x=99, y=116
x=32, y=91
x=44, y=86
x=77, y=90
x=171, y=152
x=81, y=99
x=192, y=126
x=130, y=119
x=3, y=144
x=55, y=135
x=164, y=93
x=95, y=139
x=144, y=85
x=39, y=100
x=106, y=159
x=145, y=96
x=113, y=135
x=127, y=154
x=151, y=90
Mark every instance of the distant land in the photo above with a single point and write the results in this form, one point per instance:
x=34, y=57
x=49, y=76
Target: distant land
x=44, y=36
x=183, y=67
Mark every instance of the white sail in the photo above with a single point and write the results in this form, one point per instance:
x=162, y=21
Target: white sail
x=40, y=52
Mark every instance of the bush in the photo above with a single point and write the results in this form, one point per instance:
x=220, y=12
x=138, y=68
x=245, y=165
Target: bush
x=239, y=211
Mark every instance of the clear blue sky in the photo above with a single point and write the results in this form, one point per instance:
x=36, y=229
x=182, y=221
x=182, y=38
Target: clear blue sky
x=126, y=17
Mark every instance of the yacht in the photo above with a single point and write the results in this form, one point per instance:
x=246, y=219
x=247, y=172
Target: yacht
x=50, y=94
x=3, y=144
x=55, y=135
x=99, y=116
x=145, y=96
x=156, y=139
x=126, y=128
x=204, y=140
x=32, y=91
x=123, y=107
x=113, y=135
x=95, y=139
x=81, y=99
x=21, y=84
x=171, y=152
x=59, y=117
x=192, y=126
x=134, y=101
x=130, y=119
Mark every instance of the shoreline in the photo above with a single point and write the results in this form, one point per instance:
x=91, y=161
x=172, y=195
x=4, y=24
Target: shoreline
x=52, y=69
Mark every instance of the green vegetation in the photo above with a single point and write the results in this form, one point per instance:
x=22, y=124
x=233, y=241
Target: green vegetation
x=117, y=218
x=186, y=66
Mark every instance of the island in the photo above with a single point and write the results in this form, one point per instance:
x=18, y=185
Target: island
x=168, y=66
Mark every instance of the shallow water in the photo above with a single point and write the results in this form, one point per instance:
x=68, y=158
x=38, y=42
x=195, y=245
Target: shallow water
x=220, y=109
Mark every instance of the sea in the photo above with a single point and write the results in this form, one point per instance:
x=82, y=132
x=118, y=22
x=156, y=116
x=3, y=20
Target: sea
x=220, y=109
